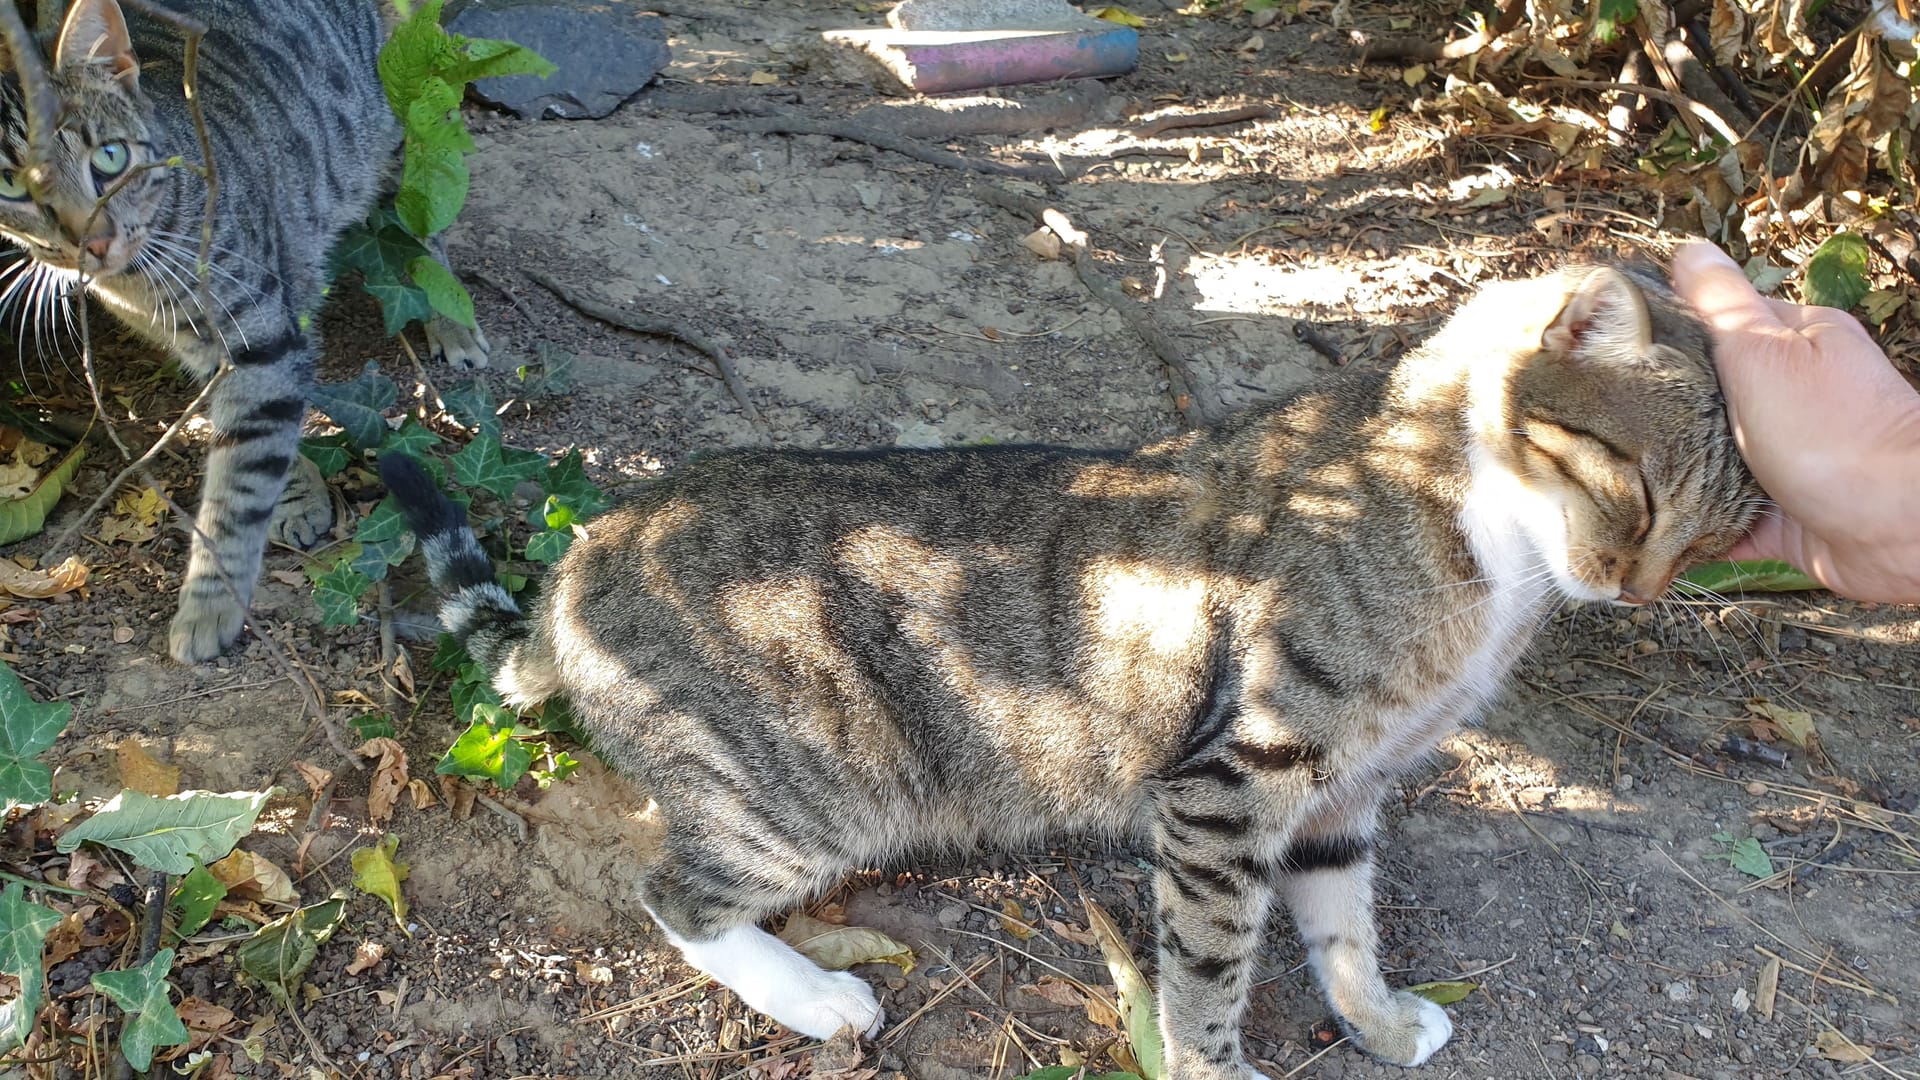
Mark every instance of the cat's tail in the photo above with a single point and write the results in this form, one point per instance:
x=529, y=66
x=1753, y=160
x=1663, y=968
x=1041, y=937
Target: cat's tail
x=474, y=608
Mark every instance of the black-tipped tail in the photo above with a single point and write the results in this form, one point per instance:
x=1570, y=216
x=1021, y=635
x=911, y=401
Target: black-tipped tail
x=474, y=608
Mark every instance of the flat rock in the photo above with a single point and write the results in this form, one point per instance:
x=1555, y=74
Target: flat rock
x=606, y=51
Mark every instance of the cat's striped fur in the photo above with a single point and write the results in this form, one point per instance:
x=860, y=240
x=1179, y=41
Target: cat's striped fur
x=1230, y=641
x=303, y=137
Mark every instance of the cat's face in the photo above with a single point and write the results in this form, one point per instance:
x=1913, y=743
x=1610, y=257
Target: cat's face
x=103, y=140
x=1617, y=425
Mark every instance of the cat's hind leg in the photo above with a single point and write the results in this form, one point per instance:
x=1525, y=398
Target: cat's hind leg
x=1326, y=877
x=708, y=901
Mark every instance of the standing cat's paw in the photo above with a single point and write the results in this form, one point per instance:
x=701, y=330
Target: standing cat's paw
x=820, y=1003
x=464, y=347
x=305, y=510
x=204, y=628
x=1417, y=1029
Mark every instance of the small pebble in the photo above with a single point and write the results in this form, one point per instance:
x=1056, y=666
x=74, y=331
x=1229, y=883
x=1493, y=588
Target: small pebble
x=1755, y=787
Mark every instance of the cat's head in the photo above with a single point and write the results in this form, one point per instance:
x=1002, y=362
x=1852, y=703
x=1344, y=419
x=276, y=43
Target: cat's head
x=103, y=139
x=1614, y=424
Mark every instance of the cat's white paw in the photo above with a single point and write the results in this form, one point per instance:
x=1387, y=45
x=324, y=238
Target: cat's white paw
x=463, y=347
x=818, y=1007
x=1436, y=1027
x=202, y=629
x=305, y=510
x=771, y=977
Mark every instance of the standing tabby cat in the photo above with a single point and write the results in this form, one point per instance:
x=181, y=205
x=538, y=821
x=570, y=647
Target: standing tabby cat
x=1230, y=641
x=302, y=137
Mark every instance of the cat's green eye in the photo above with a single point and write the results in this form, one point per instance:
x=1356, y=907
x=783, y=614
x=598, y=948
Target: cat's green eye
x=10, y=185
x=110, y=159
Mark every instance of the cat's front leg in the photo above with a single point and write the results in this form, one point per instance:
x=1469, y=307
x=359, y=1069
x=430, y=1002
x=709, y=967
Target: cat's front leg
x=1326, y=877
x=256, y=414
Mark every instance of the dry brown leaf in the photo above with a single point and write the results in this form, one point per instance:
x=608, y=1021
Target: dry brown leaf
x=1072, y=933
x=365, y=956
x=389, y=777
x=1835, y=1046
x=288, y=577
x=316, y=777
x=1013, y=920
x=1767, y=988
x=1053, y=989
x=84, y=871
x=63, y=941
x=459, y=797
x=250, y=876
x=403, y=671
x=1727, y=29
x=422, y=794
x=204, y=1020
x=139, y=771
x=41, y=584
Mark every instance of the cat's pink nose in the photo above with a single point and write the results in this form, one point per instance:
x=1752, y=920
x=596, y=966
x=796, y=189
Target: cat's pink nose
x=99, y=246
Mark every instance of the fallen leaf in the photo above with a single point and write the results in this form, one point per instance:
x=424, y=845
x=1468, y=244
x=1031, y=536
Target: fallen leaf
x=422, y=794
x=41, y=584
x=250, y=876
x=1414, y=75
x=139, y=771
x=1071, y=933
x=1176, y=58
x=365, y=956
x=205, y=1021
x=1056, y=991
x=403, y=671
x=83, y=869
x=459, y=796
x=1443, y=993
x=1252, y=45
x=137, y=516
x=1118, y=15
x=290, y=577
x=1834, y=1046
x=377, y=873
x=389, y=777
x=1795, y=726
x=1136, y=995
x=17, y=479
x=837, y=948
x=316, y=777
x=1768, y=986
x=763, y=78
x=63, y=941
x=1013, y=920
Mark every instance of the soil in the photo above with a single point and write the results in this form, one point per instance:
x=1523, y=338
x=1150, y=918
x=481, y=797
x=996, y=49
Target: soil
x=1562, y=857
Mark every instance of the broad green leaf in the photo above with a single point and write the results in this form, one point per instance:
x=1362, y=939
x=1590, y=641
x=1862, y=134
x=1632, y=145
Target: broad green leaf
x=1118, y=15
x=487, y=749
x=168, y=834
x=1443, y=993
x=377, y=873
x=1750, y=858
x=338, y=592
x=1610, y=15
x=560, y=765
x=567, y=480
x=486, y=464
x=549, y=545
x=472, y=404
x=433, y=118
x=1836, y=274
x=380, y=248
x=1136, y=996
x=372, y=726
x=415, y=50
x=27, y=728
x=433, y=188
x=141, y=993
x=448, y=655
x=280, y=953
x=24, y=927
x=357, y=406
x=411, y=438
x=444, y=291
x=385, y=540
x=27, y=515
x=400, y=304
x=332, y=453
x=837, y=948
x=490, y=59
x=555, y=513
x=1750, y=575
x=194, y=898
x=473, y=687
x=553, y=375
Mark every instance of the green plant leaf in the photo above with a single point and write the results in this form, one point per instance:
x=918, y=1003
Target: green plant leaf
x=487, y=58
x=1836, y=274
x=1610, y=15
x=170, y=833
x=400, y=303
x=338, y=590
x=385, y=540
x=487, y=749
x=1443, y=993
x=1750, y=858
x=411, y=438
x=1075, y=1072
x=560, y=765
x=27, y=515
x=472, y=404
x=372, y=726
x=1750, y=575
x=279, y=954
x=377, y=873
x=444, y=291
x=195, y=898
x=547, y=546
x=27, y=728
x=567, y=481
x=473, y=687
x=433, y=118
x=448, y=655
x=331, y=453
x=486, y=464
x=433, y=188
x=415, y=49
x=1137, y=1012
x=141, y=993
x=357, y=406
x=24, y=927
x=552, y=376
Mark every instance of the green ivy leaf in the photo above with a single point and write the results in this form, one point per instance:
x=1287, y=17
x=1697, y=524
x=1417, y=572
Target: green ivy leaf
x=552, y=376
x=379, y=248
x=549, y=545
x=433, y=188
x=280, y=953
x=27, y=515
x=486, y=464
x=169, y=834
x=487, y=749
x=385, y=540
x=560, y=765
x=1750, y=858
x=1836, y=274
x=472, y=404
x=1610, y=15
x=411, y=438
x=194, y=899
x=24, y=927
x=487, y=58
x=444, y=291
x=357, y=406
x=331, y=453
x=448, y=655
x=1749, y=575
x=141, y=993
x=27, y=728
x=377, y=873
x=338, y=592
x=567, y=480
x=400, y=303
x=472, y=688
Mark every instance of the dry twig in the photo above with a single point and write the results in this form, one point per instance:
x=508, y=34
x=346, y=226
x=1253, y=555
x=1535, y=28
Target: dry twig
x=886, y=140
x=1147, y=129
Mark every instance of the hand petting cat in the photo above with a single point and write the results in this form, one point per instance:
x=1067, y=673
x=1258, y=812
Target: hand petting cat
x=1829, y=428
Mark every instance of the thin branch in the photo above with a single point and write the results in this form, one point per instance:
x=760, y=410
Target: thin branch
x=886, y=140
x=1678, y=101
x=1150, y=128
x=36, y=86
x=193, y=30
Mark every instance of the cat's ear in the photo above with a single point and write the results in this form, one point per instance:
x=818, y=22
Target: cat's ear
x=96, y=33
x=1605, y=317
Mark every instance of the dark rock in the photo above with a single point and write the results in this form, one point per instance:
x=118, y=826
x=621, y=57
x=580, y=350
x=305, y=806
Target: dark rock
x=606, y=51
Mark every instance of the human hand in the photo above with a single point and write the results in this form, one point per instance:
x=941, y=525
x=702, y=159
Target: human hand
x=1829, y=428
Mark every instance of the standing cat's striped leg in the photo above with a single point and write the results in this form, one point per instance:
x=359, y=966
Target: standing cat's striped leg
x=1326, y=877
x=256, y=414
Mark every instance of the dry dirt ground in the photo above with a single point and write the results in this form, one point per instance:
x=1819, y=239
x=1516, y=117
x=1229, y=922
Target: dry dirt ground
x=1563, y=857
